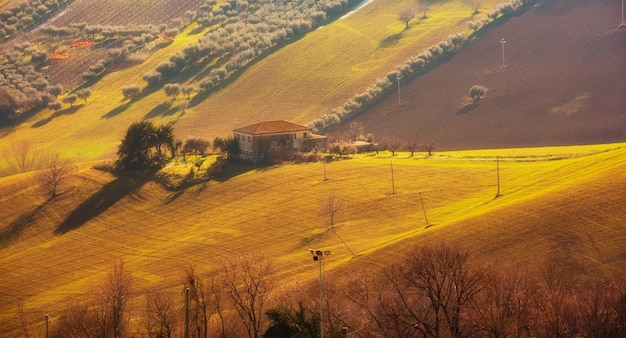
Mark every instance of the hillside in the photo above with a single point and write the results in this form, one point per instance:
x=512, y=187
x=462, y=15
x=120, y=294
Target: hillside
x=299, y=82
x=564, y=83
x=55, y=256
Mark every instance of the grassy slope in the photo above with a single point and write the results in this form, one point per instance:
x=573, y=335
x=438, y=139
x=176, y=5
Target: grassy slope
x=299, y=83
x=277, y=211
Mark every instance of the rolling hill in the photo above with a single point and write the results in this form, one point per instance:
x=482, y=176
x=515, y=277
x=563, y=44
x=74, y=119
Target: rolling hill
x=158, y=233
x=564, y=83
x=316, y=73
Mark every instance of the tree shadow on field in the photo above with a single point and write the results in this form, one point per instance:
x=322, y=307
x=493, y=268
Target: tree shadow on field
x=68, y=111
x=390, y=40
x=467, y=108
x=164, y=109
x=101, y=201
x=116, y=111
x=16, y=227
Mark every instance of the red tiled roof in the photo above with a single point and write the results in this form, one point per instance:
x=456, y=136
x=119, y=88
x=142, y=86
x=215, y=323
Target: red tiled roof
x=271, y=127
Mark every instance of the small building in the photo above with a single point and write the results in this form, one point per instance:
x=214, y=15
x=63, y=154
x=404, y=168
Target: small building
x=257, y=140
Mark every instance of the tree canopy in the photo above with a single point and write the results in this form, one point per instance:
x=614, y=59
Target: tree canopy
x=142, y=146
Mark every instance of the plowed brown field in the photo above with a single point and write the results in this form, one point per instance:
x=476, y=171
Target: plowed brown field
x=564, y=82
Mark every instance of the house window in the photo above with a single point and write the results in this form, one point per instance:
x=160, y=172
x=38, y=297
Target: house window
x=305, y=135
x=294, y=136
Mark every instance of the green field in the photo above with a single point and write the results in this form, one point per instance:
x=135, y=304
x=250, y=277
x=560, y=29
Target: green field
x=277, y=211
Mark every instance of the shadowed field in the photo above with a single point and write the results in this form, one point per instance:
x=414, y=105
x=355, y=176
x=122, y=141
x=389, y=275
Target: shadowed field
x=563, y=83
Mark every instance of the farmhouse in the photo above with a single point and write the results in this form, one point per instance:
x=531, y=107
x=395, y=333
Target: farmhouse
x=256, y=141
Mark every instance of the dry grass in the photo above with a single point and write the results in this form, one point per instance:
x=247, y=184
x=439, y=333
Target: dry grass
x=277, y=211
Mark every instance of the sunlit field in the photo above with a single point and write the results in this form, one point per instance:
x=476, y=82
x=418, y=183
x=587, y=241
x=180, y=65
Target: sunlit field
x=299, y=82
x=278, y=211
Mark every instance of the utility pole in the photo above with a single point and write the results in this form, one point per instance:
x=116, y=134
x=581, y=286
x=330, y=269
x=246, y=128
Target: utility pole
x=398, y=78
x=321, y=299
x=498, y=174
x=318, y=256
x=148, y=307
x=393, y=184
x=186, y=312
x=47, y=321
x=424, y=209
x=324, y=162
x=502, y=42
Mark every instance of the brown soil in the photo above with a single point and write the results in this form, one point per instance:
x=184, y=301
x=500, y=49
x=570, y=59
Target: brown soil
x=564, y=83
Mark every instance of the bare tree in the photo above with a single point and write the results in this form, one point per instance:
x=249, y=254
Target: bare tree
x=406, y=15
x=112, y=299
x=555, y=302
x=356, y=130
x=369, y=295
x=475, y=6
x=424, y=9
x=412, y=146
x=330, y=207
x=505, y=308
x=201, y=310
x=435, y=286
x=21, y=157
x=249, y=280
x=429, y=147
x=394, y=144
x=162, y=314
x=57, y=169
x=76, y=321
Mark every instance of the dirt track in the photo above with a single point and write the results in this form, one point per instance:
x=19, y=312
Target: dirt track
x=564, y=84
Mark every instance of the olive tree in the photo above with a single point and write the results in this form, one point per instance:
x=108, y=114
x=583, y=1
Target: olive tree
x=84, y=94
x=477, y=92
x=131, y=91
x=172, y=89
x=70, y=99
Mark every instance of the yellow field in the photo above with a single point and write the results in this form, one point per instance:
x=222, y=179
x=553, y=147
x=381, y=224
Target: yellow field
x=299, y=82
x=564, y=204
